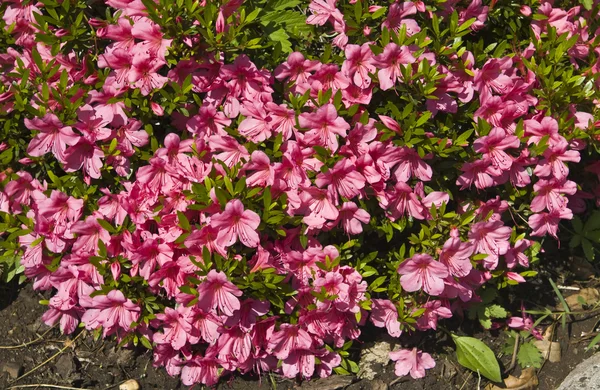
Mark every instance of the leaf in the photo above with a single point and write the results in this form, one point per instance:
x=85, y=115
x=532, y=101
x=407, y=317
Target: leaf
x=588, y=249
x=496, y=311
x=475, y=355
x=529, y=356
x=282, y=37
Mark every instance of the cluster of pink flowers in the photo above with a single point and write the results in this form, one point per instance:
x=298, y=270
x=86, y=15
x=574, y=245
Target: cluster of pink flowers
x=87, y=251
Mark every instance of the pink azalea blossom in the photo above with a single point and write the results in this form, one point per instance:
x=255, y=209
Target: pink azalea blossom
x=358, y=64
x=490, y=238
x=53, y=136
x=412, y=361
x=385, y=314
x=422, y=272
x=236, y=223
x=323, y=124
x=289, y=339
x=389, y=63
x=493, y=145
x=112, y=311
x=216, y=291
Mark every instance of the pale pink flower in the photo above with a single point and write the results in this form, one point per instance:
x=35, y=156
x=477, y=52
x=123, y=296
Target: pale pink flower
x=457, y=256
x=548, y=194
x=176, y=327
x=553, y=163
x=547, y=223
x=322, y=11
x=433, y=310
x=200, y=369
x=352, y=217
x=412, y=361
x=422, y=272
x=342, y=179
x=264, y=172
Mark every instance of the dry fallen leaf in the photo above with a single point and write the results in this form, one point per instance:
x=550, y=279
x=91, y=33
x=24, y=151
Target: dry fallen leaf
x=550, y=349
x=527, y=381
x=589, y=295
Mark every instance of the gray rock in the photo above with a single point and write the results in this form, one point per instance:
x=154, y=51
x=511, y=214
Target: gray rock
x=586, y=376
x=14, y=370
x=65, y=366
x=367, y=384
x=373, y=358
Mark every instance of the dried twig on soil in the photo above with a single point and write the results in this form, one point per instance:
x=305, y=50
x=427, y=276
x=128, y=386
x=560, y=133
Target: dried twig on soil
x=44, y=385
x=40, y=338
x=69, y=343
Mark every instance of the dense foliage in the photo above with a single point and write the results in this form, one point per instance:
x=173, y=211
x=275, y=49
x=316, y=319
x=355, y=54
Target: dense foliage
x=242, y=185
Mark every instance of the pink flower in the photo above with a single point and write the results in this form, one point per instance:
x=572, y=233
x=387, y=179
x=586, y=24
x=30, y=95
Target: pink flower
x=457, y=256
x=493, y=145
x=143, y=73
x=422, y=272
x=389, y=63
x=342, y=179
x=200, y=369
x=256, y=127
x=404, y=201
x=236, y=223
x=433, y=311
x=359, y=64
x=554, y=160
x=411, y=164
x=264, y=174
x=176, y=326
x=413, y=361
x=481, y=172
x=323, y=125
x=490, y=238
x=322, y=10
x=385, y=314
x=352, y=218
x=53, y=136
x=288, y=339
x=111, y=311
x=549, y=194
x=515, y=254
x=547, y=223
x=84, y=154
x=218, y=292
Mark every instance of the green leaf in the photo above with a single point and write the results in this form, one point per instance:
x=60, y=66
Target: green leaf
x=588, y=249
x=587, y=4
x=529, y=356
x=106, y=225
x=496, y=311
x=475, y=355
x=184, y=223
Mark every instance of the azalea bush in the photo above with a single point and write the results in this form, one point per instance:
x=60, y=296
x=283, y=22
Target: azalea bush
x=243, y=186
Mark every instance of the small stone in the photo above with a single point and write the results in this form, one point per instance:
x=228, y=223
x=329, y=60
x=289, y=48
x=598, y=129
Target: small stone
x=65, y=366
x=14, y=370
x=584, y=376
x=378, y=384
x=373, y=359
x=129, y=385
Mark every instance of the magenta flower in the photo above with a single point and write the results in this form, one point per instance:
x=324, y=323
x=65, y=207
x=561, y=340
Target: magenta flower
x=322, y=11
x=176, y=327
x=423, y=272
x=411, y=164
x=549, y=194
x=236, y=223
x=216, y=291
x=323, y=124
x=352, y=217
x=412, y=361
x=111, y=311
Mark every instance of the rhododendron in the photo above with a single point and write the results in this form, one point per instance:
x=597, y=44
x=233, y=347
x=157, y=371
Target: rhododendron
x=423, y=272
x=412, y=361
x=237, y=206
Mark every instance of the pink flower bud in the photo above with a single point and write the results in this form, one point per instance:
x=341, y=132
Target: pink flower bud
x=515, y=276
x=525, y=10
x=26, y=161
x=115, y=270
x=366, y=31
x=157, y=109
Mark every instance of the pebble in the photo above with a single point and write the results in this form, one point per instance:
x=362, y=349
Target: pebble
x=14, y=370
x=129, y=385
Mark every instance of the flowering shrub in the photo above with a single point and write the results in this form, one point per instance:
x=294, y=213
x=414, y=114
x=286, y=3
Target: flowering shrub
x=241, y=185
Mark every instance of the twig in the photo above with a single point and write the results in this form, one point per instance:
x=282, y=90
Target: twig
x=27, y=343
x=570, y=288
x=69, y=344
x=513, y=361
x=45, y=385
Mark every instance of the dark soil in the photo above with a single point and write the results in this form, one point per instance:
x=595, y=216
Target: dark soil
x=89, y=364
